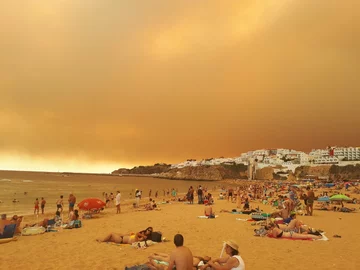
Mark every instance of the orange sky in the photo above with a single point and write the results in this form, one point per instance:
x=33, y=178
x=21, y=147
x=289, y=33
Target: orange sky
x=98, y=85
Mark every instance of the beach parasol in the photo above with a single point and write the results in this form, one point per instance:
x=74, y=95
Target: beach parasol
x=340, y=197
x=323, y=199
x=91, y=203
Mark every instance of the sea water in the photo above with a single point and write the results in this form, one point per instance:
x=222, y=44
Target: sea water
x=25, y=187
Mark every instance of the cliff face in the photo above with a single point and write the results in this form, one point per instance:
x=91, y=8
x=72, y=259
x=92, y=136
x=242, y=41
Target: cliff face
x=344, y=172
x=211, y=173
x=239, y=171
x=321, y=170
x=157, y=168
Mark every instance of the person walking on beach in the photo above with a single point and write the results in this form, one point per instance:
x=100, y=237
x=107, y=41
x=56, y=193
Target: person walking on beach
x=36, y=207
x=43, y=202
x=181, y=257
x=117, y=201
x=72, y=201
x=60, y=204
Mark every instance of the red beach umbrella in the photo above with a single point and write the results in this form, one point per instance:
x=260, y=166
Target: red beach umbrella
x=91, y=203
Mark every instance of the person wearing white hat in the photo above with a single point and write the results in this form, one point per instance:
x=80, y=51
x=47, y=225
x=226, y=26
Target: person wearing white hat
x=231, y=262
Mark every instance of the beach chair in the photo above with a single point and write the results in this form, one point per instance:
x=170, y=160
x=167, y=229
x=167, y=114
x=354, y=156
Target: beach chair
x=9, y=231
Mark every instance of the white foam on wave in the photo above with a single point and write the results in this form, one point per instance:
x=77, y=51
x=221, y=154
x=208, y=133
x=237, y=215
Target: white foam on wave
x=27, y=181
x=5, y=180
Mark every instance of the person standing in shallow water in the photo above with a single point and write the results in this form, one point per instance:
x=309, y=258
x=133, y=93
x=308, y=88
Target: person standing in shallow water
x=36, y=206
x=43, y=202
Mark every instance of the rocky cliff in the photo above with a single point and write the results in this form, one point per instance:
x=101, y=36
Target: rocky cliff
x=239, y=171
x=157, y=168
x=211, y=173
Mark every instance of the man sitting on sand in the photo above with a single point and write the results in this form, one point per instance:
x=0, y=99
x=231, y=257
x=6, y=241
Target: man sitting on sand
x=181, y=257
x=208, y=211
x=17, y=220
x=283, y=213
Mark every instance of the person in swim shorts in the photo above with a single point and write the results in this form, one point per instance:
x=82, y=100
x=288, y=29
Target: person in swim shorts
x=72, y=201
x=43, y=202
x=36, y=206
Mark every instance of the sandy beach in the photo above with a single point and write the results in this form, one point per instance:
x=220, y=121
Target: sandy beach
x=77, y=248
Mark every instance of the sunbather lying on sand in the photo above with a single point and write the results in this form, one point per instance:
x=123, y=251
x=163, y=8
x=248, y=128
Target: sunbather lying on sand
x=162, y=260
x=119, y=238
x=345, y=209
x=275, y=231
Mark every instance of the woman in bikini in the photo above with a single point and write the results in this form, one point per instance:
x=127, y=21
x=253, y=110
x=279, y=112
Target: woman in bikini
x=275, y=231
x=119, y=238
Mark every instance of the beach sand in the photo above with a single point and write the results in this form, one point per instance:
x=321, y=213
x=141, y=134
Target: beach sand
x=77, y=248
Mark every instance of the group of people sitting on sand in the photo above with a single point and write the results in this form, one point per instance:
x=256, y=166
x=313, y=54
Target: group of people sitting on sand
x=72, y=222
x=182, y=258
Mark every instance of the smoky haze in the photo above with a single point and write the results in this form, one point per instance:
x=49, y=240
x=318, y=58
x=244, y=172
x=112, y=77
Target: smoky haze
x=140, y=82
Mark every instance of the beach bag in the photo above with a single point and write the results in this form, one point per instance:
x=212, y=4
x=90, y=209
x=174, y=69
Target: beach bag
x=156, y=236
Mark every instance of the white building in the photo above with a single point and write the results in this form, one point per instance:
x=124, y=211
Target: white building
x=326, y=160
x=348, y=153
x=315, y=153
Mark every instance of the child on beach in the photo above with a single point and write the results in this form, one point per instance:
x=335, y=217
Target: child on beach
x=36, y=207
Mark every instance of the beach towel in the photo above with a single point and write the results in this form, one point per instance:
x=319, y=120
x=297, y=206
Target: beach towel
x=243, y=219
x=142, y=244
x=324, y=238
x=207, y=217
x=33, y=231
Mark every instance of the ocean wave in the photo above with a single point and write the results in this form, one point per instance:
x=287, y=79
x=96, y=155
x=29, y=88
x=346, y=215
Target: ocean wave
x=27, y=181
x=5, y=180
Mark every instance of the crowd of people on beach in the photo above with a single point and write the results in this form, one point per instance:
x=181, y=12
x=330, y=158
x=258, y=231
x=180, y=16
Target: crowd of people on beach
x=289, y=200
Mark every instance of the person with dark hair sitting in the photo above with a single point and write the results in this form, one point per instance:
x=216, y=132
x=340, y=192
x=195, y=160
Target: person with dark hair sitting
x=181, y=257
x=231, y=262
